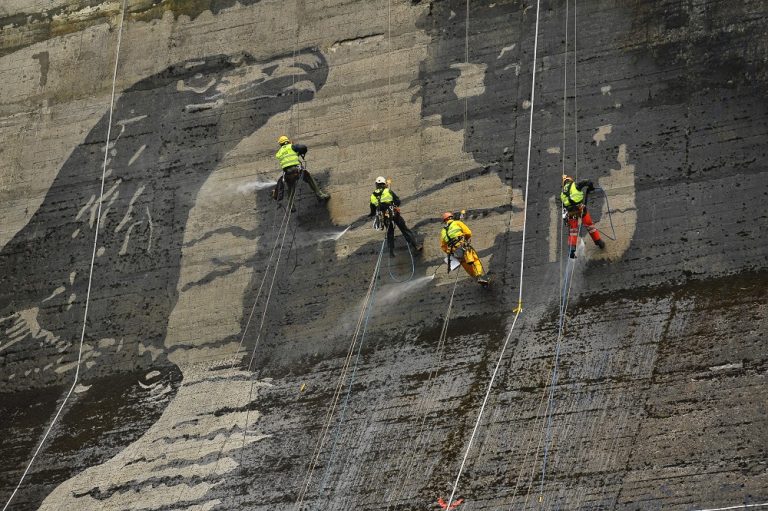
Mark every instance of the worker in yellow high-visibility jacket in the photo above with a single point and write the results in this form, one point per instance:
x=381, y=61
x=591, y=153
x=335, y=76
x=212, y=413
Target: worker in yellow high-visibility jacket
x=454, y=240
x=288, y=155
x=386, y=201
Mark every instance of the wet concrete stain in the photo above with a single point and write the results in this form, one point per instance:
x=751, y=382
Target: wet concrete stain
x=44, y=59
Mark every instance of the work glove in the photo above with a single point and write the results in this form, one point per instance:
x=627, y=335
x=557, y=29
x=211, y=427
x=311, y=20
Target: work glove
x=572, y=253
x=565, y=217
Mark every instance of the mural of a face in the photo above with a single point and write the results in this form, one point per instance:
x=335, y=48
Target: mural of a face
x=170, y=131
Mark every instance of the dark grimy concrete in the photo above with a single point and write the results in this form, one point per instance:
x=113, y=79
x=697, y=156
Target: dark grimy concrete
x=660, y=400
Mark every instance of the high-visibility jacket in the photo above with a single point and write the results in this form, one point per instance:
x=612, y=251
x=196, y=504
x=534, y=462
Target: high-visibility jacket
x=287, y=156
x=383, y=196
x=452, y=232
x=571, y=196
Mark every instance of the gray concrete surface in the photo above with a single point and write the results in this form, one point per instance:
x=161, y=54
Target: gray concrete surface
x=661, y=397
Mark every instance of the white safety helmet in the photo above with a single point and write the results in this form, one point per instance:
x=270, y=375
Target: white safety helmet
x=381, y=180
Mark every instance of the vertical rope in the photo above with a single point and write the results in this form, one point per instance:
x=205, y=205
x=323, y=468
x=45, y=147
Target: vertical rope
x=519, y=308
x=339, y=386
x=565, y=295
x=575, y=102
x=389, y=81
x=93, y=261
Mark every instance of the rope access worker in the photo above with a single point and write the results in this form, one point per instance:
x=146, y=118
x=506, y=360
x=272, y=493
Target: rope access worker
x=454, y=240
x=384, y=200
x=288, y=155
x=573, y=196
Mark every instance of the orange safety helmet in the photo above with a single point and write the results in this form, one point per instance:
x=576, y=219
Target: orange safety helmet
x=567, y=178
x=447, y=215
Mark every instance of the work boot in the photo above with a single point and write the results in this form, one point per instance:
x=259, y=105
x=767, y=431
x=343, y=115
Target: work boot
x=483, y=280
x=572, y=253
x=600, y=243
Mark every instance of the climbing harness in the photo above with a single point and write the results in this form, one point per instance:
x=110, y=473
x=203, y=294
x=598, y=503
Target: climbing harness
x=383, y=218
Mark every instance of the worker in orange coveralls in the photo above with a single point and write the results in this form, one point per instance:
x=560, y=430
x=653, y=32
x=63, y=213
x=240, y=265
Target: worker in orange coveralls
x=573, y=197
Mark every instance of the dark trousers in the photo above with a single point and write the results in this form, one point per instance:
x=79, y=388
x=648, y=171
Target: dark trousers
x=291, y=177
x=407, y=233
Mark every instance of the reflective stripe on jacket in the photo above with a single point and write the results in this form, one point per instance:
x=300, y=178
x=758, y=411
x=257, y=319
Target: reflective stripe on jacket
x=287, y=156
x=382, y=197
x=571, y=196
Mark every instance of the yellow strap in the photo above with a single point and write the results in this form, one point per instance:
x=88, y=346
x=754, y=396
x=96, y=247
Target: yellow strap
x=519, y=307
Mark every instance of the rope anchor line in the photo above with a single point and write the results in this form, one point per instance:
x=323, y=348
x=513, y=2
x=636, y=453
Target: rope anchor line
x=519, y=308
x=359, y=334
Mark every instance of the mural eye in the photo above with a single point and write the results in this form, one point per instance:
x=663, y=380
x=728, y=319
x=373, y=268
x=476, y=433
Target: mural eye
x=199, y=82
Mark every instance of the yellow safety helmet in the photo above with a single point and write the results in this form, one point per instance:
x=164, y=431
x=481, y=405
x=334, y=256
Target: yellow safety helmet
x=283, y=140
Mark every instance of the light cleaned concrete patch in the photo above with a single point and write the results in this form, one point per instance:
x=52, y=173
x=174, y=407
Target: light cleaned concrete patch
x=605, y=90
x=602, y=133
x=553, y=150
x=553, y=235
x=619, y=185
x=726, y=367
x=505, y=50
x=471, y=81
x=205, y=420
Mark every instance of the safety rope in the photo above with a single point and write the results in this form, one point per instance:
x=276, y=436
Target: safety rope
x=566, y=286
x=283, y=223
x=575, y=100
x=610, y=216
x=342, y=415
x=413, y=267
x=519, y=307
x=565, y=140
x=423, y=409
x=282, y=235
x=339, y=385
x=90, y=272
x=741, y=506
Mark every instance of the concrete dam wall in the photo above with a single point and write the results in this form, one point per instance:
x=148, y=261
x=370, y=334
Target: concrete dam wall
x=172, y=338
